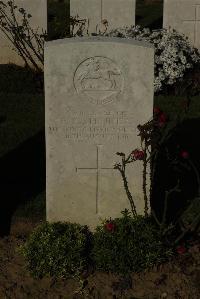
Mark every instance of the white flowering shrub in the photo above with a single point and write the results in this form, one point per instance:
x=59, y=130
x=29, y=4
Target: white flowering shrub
x=174, y=55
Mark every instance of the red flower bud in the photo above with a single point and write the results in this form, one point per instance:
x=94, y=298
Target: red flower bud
x=162, y=118
x=184, y=154
x=156, y=110
x=181, y=249
x=110, y=226
x=137, y=154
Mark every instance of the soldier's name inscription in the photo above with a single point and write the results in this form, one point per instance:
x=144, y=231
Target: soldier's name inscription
x=82, y=126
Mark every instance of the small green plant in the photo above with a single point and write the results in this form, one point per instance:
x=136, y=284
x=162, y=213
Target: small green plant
x=57, y=250
x=128, y=244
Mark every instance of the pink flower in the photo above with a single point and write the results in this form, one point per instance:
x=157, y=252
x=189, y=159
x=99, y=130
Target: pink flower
x=137, y=154
x=110, y=226
x=181, y=249
x=184, y=154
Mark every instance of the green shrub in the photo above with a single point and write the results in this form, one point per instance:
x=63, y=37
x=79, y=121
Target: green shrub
x=128, y=244
x=57, y=249
x=122, y=245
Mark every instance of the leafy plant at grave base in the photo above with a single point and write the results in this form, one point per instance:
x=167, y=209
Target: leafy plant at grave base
x=57, y=249
x=155, y=133
x=175, y=58
x=26, y=41
x=128, y=244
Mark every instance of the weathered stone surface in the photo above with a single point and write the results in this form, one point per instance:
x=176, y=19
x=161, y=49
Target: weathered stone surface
x=184, y=16
x=38, y=10
x=97, y=90
x=118, y=13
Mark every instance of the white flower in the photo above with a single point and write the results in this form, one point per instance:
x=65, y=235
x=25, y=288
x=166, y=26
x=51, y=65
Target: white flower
x=161, y=76
x=173, y=53
x=188, y=65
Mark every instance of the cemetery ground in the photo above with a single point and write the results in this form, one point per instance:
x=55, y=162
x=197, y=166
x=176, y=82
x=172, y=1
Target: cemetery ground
x=22, y=162
x=178, y=278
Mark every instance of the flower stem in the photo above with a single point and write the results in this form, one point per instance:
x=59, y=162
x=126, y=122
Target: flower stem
x=197, y=176
x=144, y=181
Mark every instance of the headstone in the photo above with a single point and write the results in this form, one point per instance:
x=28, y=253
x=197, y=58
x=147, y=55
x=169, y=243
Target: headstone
x=97, y=90
x=117, y=13
x=38, y=10
x=183, y=16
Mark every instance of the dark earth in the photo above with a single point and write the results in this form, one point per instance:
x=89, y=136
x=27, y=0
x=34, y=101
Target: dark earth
x=176, y=279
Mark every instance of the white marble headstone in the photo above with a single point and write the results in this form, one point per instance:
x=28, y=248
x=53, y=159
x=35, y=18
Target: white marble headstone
x=97, y=91
x=184, y=16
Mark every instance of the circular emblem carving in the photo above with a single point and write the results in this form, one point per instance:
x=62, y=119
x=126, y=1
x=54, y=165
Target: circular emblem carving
x=99, y=78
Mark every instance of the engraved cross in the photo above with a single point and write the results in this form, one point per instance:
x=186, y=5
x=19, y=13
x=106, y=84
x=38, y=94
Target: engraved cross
x=96, y=170
x=196, y=22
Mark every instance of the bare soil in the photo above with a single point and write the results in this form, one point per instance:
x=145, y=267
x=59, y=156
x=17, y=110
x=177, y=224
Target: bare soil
x=177, y=279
